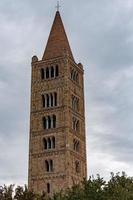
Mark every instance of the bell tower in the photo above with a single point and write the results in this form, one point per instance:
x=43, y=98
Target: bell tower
x=57, y=146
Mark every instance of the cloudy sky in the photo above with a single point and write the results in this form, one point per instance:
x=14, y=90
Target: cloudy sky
x=101, y=37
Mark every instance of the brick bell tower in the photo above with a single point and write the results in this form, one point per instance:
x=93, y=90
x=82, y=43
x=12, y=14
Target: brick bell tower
x=57, y=146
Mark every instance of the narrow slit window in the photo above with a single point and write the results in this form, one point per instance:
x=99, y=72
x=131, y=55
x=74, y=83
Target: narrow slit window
x=48, y=188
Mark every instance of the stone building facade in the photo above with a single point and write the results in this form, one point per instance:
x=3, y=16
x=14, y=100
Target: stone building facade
x=57, y=146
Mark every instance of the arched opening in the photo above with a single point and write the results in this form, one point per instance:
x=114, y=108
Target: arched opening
x=53, y=142
x=72, y=102
x=74, y=145
x=48, y=188
x=44, y=123
x=45, y=143
x=55, y=99
x=43, y=101
x=47, y=96
x=42, y=73
x=47, y=166
x=52, y=72
x=54, y=121
x=77, y=125
x=49, y=143
x=77, y=78
x=77, y=104
x=73, y=123
x=49, y=122
x=51, y=165
x=74, y=76
x=56, y=71
x=52, y=103
x=47, y=73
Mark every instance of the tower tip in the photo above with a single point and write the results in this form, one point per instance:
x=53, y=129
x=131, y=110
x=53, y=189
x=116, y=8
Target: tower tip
x=58, y=6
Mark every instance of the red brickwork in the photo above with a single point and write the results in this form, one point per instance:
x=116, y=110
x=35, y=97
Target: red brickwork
x=57, y=43
x=68, y=157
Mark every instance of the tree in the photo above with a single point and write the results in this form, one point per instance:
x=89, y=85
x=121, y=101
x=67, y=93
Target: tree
x=119, y=187
x=6, y=193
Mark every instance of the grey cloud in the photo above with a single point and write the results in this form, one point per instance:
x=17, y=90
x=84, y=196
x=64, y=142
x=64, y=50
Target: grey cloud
x=100, y=33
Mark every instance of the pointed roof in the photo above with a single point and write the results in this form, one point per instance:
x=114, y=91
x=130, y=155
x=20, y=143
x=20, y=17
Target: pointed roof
x=57, y=42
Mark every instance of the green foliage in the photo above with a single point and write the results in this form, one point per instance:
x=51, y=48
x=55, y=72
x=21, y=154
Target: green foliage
x=94, y=188
x=6, y=193
x=119, y=187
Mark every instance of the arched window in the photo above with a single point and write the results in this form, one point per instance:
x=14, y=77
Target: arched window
x=48, y=188
x=45, y=143
x=52, y=72
x=53, y=142
x=54, y=121
x=74, y=75
x=47, y=166
x=42, y=73
x=49, y=122
x=75, y=103
x=49, y=143
x=44, y=123
x=47, y=73
x=49, y=100
x=77, y=166
x=43, y=100
x=56, y=71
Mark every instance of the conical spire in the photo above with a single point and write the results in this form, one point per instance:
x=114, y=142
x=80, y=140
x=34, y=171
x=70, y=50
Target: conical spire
x=57, y=43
